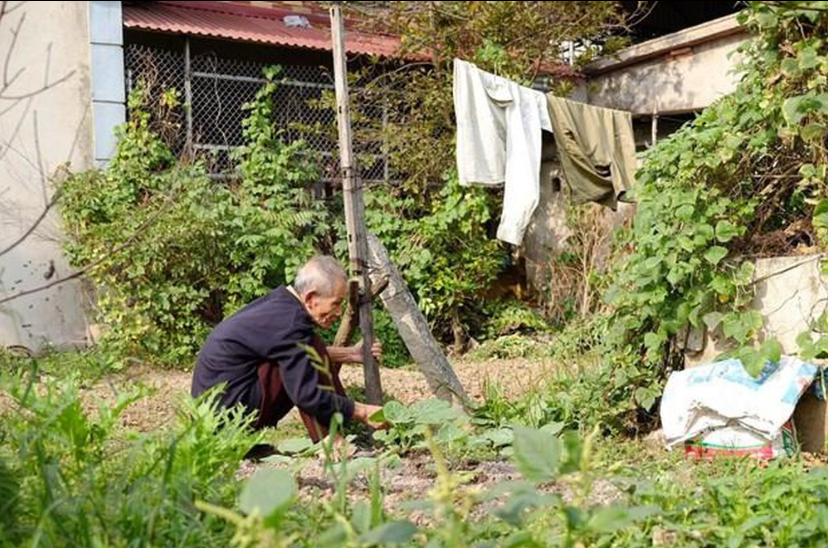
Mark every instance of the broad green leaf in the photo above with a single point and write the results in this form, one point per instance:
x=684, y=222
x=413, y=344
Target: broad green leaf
x=804, y=339
x=608, y=519
x=790, y=67
x=685, y=212
x=793, y=110
x=712, y=320
x=335, y=537
x=808, y=58
x=744, y=275
x=553, y=428
x=715, y=254
x=705, y=231
x=500, y=437
x=536, y=453
x=733, y=326
x=294, y=445
x=807, y=171
x=721, y=284
x=393, y=532
x=767, y=19
x=573, y=454
x=726, y=231
x=813, y=132
x=652, y=263
x=821, y=207
x=378, y=416
x=820, y=219
x=652, y=341
x=753, y=361
x=361, y=517
x=644, y=397
x=434, y=411
x=268, y=491
x=772, y=351
x=676, y=275
x=397, y=413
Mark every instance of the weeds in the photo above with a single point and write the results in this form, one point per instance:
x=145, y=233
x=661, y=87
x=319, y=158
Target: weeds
x=75, y=477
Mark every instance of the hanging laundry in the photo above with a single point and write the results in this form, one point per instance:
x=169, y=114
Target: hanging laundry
x=596, y=149
x=499, y=126
x=499, y=135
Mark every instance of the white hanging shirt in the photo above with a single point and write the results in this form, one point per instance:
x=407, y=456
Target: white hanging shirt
x=499, y=127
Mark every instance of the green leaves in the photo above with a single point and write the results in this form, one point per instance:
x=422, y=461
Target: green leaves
x=715, y=254
x=537, y=454
x=820, y=220
x=741, y=326
x=389, y=533
x=712, y=320
x=754, y=361
x=199, y=249
x=726, y=231
x=645, y=397
x=410, y=424
x=794, y=109
x=268, y=492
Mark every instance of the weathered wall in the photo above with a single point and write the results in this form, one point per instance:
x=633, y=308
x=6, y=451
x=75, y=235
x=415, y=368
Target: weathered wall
x=45, y=123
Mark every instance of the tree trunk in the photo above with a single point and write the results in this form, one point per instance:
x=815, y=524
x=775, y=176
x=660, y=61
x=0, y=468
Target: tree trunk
x=413, y=327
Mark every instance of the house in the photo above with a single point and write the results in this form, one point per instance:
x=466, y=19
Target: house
x=69, y=67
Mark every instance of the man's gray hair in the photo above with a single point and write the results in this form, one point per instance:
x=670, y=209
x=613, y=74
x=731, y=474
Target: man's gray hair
x=319, y=274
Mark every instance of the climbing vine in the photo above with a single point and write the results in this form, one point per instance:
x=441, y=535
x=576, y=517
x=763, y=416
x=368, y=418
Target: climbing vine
x=746, y=172
x=175, y=251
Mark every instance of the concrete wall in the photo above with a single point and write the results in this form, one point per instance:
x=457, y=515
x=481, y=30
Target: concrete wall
x=681, y=72
x=45, y=123
x=791, y=295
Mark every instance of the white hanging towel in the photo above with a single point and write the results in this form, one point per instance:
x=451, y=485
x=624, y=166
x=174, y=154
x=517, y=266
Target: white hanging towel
x=499, y=127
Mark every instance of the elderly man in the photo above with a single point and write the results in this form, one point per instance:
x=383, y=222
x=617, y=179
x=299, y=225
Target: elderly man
x=261, y=354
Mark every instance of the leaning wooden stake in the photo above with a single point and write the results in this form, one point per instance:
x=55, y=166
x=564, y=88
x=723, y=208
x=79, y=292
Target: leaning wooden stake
x=354, y=207
x=413, y=326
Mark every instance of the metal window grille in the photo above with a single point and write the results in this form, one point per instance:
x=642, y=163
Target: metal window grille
x=218, y=87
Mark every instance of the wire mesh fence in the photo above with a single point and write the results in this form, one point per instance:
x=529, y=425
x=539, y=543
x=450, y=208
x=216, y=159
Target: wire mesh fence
x=216, y=88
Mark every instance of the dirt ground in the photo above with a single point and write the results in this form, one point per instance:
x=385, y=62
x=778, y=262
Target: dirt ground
x=415, y=473
x=406, y=385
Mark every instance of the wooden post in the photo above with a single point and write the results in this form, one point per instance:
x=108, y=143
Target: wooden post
x=413, y=326
x=354, y=207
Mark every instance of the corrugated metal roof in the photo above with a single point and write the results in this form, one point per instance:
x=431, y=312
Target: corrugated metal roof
x=250, y=24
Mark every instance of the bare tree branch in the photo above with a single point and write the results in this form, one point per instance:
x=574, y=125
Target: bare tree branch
x=40, y=167
x=7, y=10
x=114, y=251
x=35, y=224
x=16, y=131
x=7, y=82
x=38, y=91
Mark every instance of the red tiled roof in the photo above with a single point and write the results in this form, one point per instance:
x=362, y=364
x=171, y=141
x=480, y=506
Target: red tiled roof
x=232, y=21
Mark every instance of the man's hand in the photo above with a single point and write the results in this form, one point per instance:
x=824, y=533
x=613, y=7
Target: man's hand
x=363, y=412
x=356, y=351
